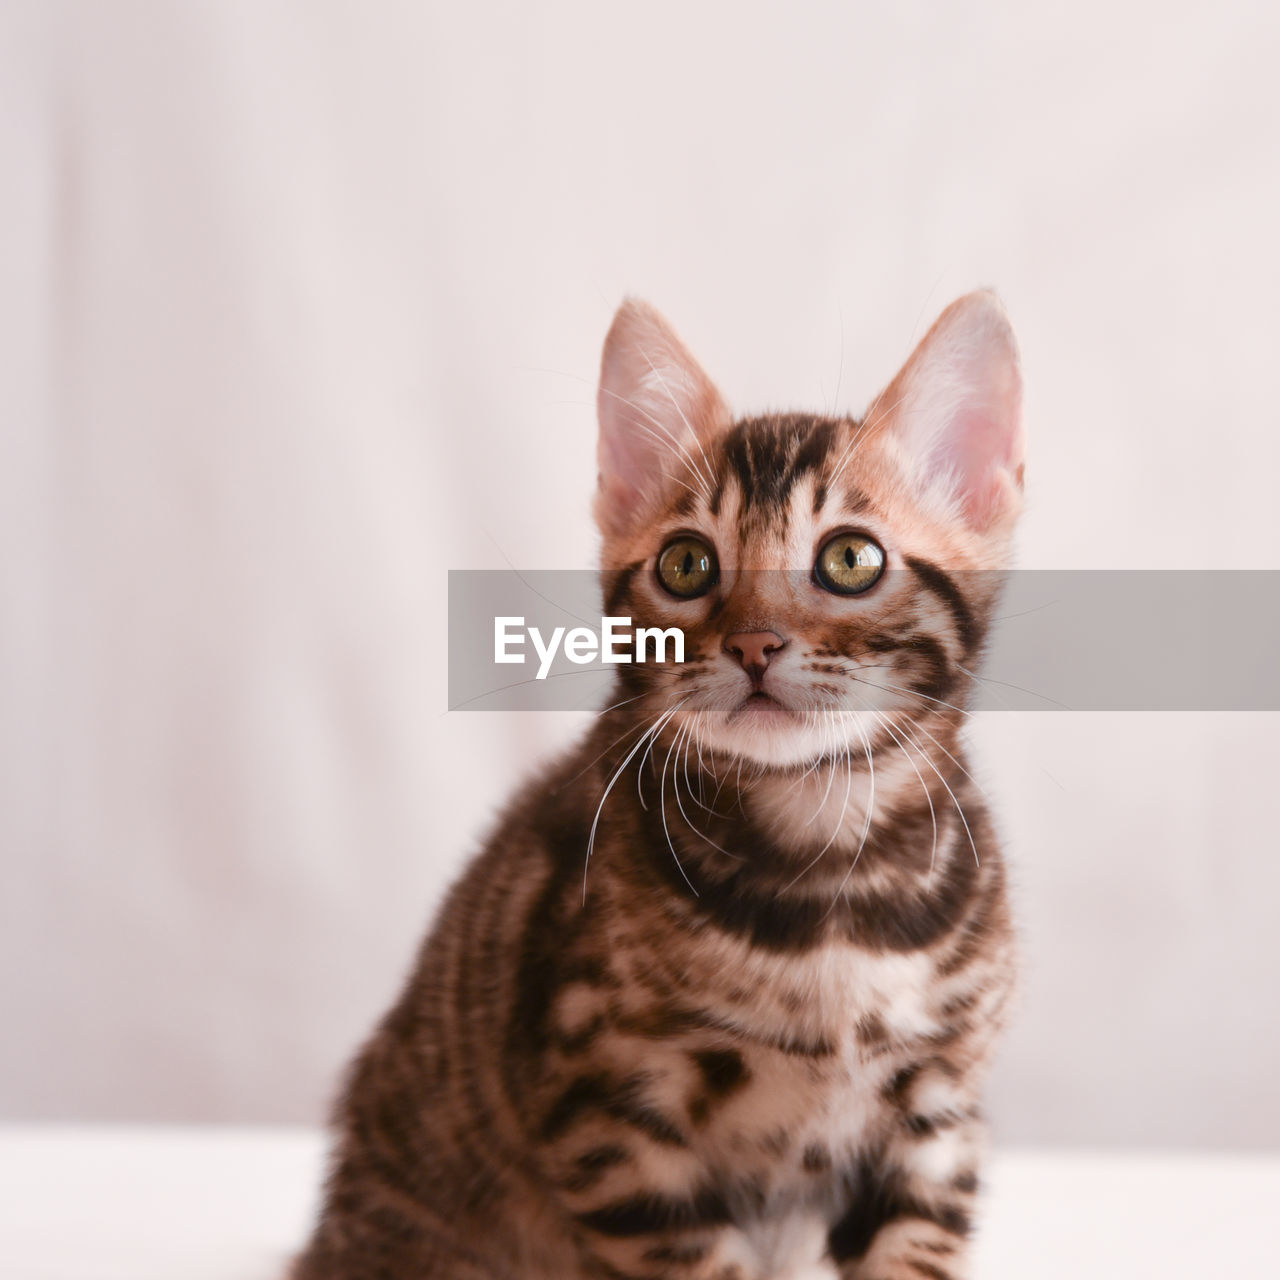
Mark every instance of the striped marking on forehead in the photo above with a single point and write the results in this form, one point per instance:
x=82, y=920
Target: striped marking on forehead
x=765, y=459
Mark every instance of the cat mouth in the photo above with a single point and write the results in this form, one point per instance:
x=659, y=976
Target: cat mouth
x=758, y=703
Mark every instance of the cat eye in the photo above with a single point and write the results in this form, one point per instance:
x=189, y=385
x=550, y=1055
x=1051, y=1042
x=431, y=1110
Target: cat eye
x=849, y=563
x=687, y=567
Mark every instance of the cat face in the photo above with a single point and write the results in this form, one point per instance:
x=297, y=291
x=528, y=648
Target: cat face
x=832, y=577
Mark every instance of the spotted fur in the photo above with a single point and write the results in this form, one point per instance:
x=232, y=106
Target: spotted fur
x=715, y=1001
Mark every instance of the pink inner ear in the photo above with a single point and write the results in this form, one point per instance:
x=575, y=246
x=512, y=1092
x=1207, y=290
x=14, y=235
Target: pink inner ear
x=961, y=419
x=628, y=462
x=643, y=437
x=655, y=404
x=981, y=452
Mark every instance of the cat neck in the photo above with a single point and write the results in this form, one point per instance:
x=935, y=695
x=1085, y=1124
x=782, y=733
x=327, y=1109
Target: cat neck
x=740, y=849
x=894, y=803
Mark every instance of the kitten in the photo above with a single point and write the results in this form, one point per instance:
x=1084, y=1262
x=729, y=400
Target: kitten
x=715, y=1001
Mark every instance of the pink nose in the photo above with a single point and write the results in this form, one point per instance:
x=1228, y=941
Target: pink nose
x=753, y=649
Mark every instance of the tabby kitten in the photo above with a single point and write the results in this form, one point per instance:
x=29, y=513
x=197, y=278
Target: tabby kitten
x=715, y=1001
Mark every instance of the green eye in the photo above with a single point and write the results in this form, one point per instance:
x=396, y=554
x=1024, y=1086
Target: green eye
x=849, y=563
x=687, y=567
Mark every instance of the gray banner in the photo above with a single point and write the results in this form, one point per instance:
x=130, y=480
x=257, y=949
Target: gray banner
x=1078, y=640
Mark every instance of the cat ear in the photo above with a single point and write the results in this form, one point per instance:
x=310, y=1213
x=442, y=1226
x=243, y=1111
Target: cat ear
x=656, y=408
x=956, y=412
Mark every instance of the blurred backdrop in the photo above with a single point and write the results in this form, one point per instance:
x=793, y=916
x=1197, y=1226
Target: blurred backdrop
x=302, y=306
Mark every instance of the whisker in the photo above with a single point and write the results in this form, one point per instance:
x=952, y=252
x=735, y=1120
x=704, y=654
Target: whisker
x=519, y=574
x=516, y=684
x=928, y=795
x=959, y=809
x=644, y=413
x=861, y=433
x=694, y=738
x=835, y=831
x=654, y=729
x=703, y=489
x=616, y=705
x=704, y=479
x=662, y=809
x=919, y=728
x=671, y=440
x=899, y=688
x=1031, y=693
x=596, y=760
x=830, y=778
x=702, y=773
x=676, y=405
x=866, y=830
x=675, y=786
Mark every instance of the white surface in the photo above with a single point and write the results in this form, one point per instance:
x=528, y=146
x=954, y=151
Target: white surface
x=301, y=303
x=232, y=1204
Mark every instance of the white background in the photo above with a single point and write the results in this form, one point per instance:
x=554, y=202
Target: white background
x=301, y=306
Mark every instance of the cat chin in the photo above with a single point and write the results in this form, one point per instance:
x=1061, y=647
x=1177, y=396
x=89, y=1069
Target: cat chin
x=778, y=738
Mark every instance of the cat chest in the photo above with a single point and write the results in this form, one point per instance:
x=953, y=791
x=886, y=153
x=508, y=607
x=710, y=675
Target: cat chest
x=818, y=1047
x=785, y=1072
x=839, y=1001
x=771, y=1096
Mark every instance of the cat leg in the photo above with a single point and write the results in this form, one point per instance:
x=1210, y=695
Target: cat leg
x=914, y=1214
x=664, y=1241
x=651, y=1235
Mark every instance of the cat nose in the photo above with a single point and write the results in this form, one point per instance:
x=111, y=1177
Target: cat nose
x=753, y=649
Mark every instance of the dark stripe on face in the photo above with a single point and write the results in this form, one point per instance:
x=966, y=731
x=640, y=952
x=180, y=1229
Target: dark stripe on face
x=938, y=681
x=685, y=503
x=620, y=586
x=769, y=456
x=856, y=501
x=812, y=451
x=938, y=678
x=646, y=1215
x=739, y=458
x=943, y=586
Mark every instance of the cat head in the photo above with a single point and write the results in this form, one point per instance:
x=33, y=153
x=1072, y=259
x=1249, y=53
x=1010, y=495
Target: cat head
x=829, y=574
